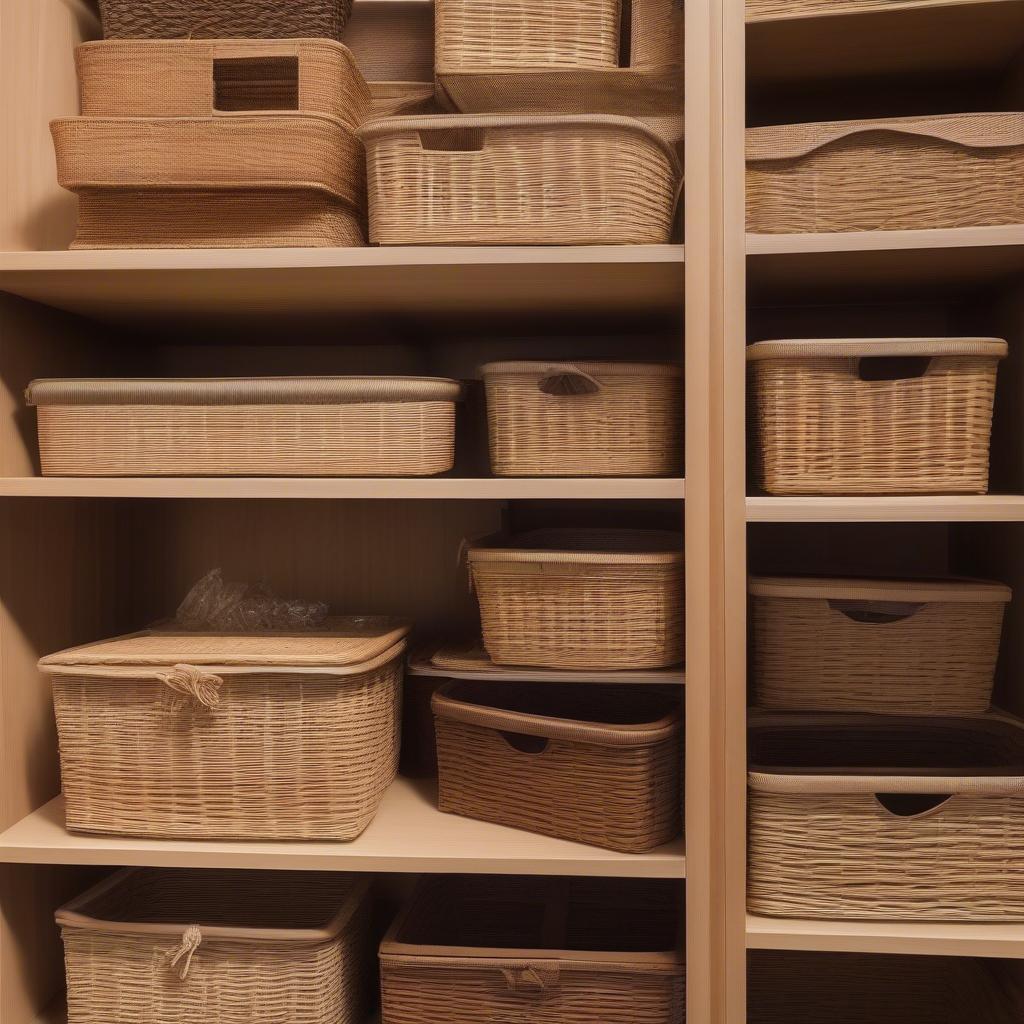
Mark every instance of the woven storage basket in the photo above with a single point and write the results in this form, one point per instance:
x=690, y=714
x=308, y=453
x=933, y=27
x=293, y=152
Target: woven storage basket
x=895, y=416
x=261, y=426
x=218, y=947
x=584, y=419
x=594, y=764
x=530, y=180
x=950, y=171
x=779, y=10
x=479, y=949
x=272, y=179
x=869, y=818
x=579, y=599
x=203, y=736
x=876, y=646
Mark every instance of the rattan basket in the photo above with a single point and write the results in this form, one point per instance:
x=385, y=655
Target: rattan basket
x=876, y=646
x=893, y=416
x=950, y=171
x=562, y=951
x=593, y=764
x=262, y=426
x=272, y=179
x=780, y=10
x=579, y=599
x=229, y=947
x=540, y=180
x=202, y=736
x=873, y=818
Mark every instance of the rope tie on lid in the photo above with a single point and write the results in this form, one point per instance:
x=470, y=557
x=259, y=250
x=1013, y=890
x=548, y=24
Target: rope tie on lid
x=182, y=955
x=202, y=687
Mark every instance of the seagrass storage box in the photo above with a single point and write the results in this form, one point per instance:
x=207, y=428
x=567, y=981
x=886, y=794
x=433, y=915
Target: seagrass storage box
x=581, y=599
x=526, y=180
x=876, y=646
x=246, y=426
x=873, y=416
x=592, y=764
x=152, y=946
x=482, y=949
x=949, y=171
x=886, y=818
x=246, y=736
x=584, y=419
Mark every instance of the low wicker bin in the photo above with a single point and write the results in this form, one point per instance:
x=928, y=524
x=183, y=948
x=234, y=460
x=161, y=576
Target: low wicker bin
x=232, y=947
x=582, y=599
x=593, y=764
x=205, y=736
x=584, y=419
x=876, y=646
x=519, y=180
x=261, y=426
x=871, y=818
x=893, y=416
x=950, y=171
x=482, y=949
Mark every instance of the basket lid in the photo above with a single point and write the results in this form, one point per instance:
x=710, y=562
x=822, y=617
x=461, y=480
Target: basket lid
x=847, y=348
x=844, y=589
x=602, y=369
x=583, y=546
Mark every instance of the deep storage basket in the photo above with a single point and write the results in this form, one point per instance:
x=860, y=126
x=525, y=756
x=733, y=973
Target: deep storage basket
x=269, y=426
x=951, y=171
x=477, y=950
x=230, y=947
x=584, y=419
x=871, y=818
x=494, y=180
x=593, y=764
x=601, y=599
x=896, y=416
x=202, y=736
x=876, y=646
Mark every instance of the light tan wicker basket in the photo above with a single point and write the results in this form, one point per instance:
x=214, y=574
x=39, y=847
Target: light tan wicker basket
x=949, y=171
x=873, y=818
x=557, y=950
x=593, y=764
x=262, y=426
x=232, y=947
x=202, y=736
x=584, y=419
x=781, y=10
x=893, y=416
x=579, y=599
x=271, y=179
x=494, y=180
x=876, y=646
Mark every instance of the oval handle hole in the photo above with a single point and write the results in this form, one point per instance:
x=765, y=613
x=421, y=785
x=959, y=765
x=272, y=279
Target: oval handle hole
x=256, y=83
x=453, y=140
x=876, y=612
x=911, y=805
x=526, y=744
x=892, y=367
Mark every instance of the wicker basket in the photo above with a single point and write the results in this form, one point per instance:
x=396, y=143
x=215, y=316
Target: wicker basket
x=230, y=947
x=531, y=180
x=584, y=419
x=481, y=949
x=579, y=599
x=594, y=764
x=896, y=416
x=270, y=179
x=869, y=818
x=950, y=171
x=204, y=736
x=876, y=646
x=781, y=10
x=269, y=426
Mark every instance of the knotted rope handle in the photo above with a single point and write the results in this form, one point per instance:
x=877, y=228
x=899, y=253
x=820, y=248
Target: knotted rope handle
x=183, y=953
x=202, y=687
x=567, y=380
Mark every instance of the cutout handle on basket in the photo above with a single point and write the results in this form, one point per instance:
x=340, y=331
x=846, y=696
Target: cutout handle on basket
x=531, y=980
x=453, y=140
x=524, y=743
x=876, y=612
x=911, y=805
x=202, y=687
x=180, y=958
x=255, y=83
x=568, y=380
x=879, y=368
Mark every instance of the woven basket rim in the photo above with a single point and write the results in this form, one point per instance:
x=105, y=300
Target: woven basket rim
x=845, y=348
x=314, y=42
x=666, y=548
x=856, y=589
x=606, y=369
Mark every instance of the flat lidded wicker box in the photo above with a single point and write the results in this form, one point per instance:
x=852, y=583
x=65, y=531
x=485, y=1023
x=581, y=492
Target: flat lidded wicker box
x=579, y=599
x=149, y=946
x=519, y=180
x=246, y=736
x=592, y=764
x=873, y=416
x=481, y=949
x=948, y=171
x=584, y=418
x=876, y=646
x=896, y=819
x=260, y=426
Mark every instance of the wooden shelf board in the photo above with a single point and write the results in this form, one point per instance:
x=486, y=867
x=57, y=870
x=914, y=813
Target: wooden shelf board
x=409, y=834
x=988, y=508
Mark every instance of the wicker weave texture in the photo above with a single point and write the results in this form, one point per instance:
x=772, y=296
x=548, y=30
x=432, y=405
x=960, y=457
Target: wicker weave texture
x=764, y=10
